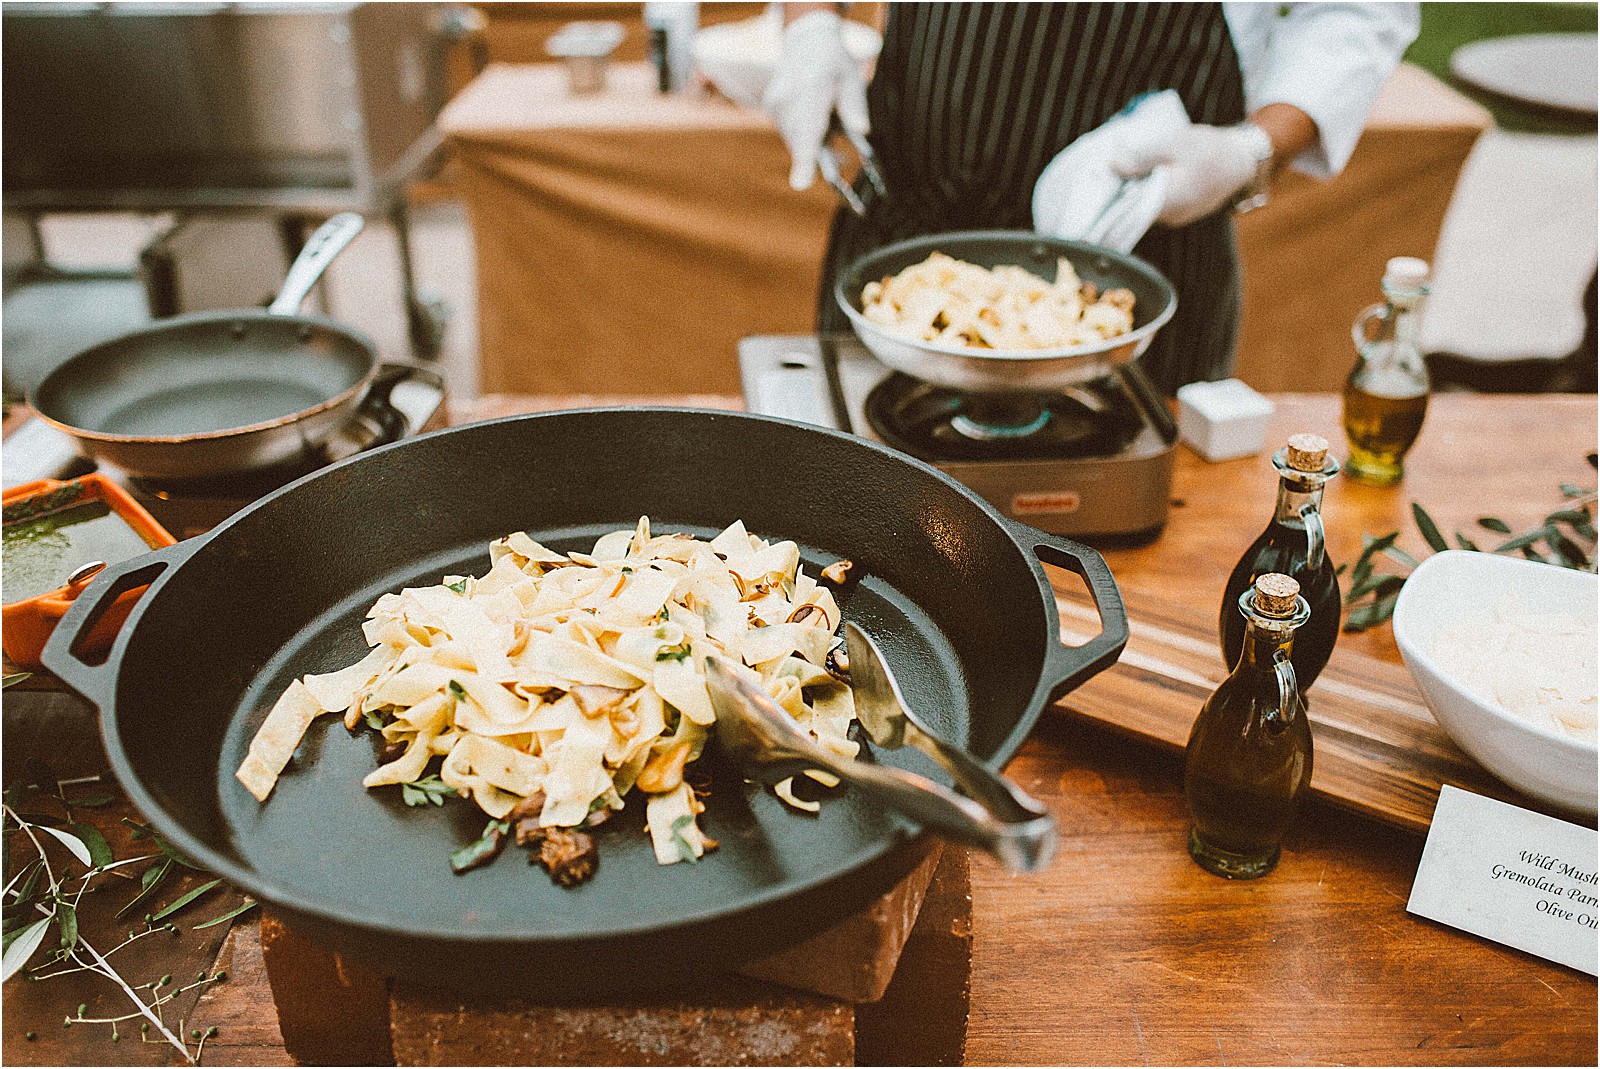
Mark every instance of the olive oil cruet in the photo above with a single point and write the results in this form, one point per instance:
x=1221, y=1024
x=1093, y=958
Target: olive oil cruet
x=1386, y=396
x=1248, y=760
x=1292, y=545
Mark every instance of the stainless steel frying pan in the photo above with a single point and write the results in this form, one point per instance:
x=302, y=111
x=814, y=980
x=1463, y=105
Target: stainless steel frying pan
x=217, y=393
x=962, y=367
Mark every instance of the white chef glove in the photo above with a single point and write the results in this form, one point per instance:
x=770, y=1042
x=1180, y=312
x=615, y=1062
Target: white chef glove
x=1080, y=196
x=815, y=77
x=1207, y=166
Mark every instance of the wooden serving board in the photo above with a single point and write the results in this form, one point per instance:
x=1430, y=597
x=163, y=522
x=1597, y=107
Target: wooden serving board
x=1378, y=749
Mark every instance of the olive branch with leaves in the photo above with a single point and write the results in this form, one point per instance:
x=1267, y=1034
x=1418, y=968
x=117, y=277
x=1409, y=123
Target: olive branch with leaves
x=1565, y=538
x=41, y=899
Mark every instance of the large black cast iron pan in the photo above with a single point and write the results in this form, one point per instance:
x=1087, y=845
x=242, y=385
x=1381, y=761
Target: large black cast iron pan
x=219, y=393
x=954, y=593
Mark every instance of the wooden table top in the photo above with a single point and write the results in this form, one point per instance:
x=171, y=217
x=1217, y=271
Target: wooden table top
x=1127, y=952
x=1124, y=951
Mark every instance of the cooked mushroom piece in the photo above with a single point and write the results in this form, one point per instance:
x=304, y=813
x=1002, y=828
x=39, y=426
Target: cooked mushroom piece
x=571, y=857
x=531, y=806
x=837, y=664
x=806, y=612
x=839, y=573
x=528, y=832
x=524, y=819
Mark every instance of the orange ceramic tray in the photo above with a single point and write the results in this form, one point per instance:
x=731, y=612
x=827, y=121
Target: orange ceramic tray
x=25, y=625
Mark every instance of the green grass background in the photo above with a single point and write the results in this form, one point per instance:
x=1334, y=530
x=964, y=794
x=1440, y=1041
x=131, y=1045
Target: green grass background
x=1448, y=26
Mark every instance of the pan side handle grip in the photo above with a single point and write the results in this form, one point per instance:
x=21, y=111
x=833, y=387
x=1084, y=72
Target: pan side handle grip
x=1068, y=666
x=378, y=421
x=62, y=655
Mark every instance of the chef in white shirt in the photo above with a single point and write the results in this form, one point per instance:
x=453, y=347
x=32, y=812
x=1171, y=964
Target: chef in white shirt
x=970, y=102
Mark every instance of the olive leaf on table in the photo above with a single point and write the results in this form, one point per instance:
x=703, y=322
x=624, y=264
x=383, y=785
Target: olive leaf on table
x=1565, y=538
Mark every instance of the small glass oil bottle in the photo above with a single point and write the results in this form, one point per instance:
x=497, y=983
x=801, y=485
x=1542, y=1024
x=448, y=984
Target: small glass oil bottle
x=1386, y=396
x=1249, y=755
x=1292, y=544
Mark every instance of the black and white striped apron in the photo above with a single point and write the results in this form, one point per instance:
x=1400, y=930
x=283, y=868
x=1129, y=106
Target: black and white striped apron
x=971, y=100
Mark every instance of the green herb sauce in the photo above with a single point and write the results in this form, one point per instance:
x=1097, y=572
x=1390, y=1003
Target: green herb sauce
x=40, y=551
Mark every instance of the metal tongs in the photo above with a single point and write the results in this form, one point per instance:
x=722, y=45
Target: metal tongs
x=828, y=164
x=998, y=817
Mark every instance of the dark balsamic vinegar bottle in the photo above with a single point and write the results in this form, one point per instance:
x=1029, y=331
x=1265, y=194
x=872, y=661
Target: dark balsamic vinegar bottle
x=1248, y=760
x=1292, y=545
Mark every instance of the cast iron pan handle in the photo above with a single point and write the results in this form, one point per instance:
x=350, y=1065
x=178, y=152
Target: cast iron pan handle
x=1068, y=666
x=96, y=681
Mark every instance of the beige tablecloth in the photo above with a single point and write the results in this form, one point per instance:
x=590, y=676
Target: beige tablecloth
x=626, y=241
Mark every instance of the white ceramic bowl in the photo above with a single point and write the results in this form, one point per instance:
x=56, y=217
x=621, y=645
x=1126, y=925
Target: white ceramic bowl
x=739, y=57
x=1539, y=761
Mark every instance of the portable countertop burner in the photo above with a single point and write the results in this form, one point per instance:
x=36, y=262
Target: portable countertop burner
x=1092, y=460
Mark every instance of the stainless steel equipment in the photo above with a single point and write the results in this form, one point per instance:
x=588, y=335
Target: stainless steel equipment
x=764, y=740
x=217, y=393
x=304, y=109
x=1089, y=461
x=157, y=105
x=415, y=405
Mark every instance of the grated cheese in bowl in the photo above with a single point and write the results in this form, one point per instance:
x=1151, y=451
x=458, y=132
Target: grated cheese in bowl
x=1540, y=666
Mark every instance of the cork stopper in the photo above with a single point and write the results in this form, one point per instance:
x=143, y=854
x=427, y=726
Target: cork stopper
x=1276, y=595
x=1307, y=452
x=1405, y=273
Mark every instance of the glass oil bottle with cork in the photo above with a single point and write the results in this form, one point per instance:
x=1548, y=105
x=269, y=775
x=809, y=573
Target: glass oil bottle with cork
x=1248, y=760
x=1293, y=545
x=1386, y=396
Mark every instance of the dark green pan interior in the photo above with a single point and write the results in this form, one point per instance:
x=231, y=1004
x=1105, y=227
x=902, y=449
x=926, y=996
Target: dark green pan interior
x=281, y=590
x=202, y=374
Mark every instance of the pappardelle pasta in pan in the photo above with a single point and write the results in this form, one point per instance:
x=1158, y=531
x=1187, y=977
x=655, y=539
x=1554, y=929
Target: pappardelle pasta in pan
x=953, y=302
x=556, y=684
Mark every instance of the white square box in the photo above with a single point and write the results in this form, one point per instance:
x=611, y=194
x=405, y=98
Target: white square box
x=1223, y=420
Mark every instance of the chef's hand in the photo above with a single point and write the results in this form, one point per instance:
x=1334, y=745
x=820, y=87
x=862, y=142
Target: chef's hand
x=1207, y=166
x=815, y=77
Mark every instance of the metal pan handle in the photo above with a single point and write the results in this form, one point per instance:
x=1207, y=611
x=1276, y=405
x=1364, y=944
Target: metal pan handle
x=320, y=249
x=96, y=682
x=1068, y=666
x=377, y=421
x=1025, y=843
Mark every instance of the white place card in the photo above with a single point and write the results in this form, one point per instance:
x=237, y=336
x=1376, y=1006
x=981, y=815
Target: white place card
x=1513, y=876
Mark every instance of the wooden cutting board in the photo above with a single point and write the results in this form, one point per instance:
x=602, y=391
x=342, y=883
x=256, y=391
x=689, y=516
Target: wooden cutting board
x=1378, y=749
